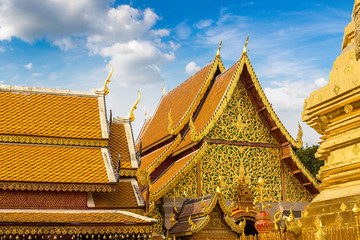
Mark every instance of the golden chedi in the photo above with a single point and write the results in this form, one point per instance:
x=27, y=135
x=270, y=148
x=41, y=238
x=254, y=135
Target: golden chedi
x=334, y=112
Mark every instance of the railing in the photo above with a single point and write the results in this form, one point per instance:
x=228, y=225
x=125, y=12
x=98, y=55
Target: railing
x=332, y=233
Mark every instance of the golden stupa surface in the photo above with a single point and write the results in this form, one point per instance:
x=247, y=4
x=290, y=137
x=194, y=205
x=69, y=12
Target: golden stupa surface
x=334, y=112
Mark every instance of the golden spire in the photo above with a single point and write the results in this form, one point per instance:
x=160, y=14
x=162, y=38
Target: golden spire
x=107, y=81
x=246, y=43
x=218, y=51
x=299, y=135
x=291, y=217
x=132, y=117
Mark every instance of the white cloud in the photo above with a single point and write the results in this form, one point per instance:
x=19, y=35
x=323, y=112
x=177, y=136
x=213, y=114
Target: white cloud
x=2, y=49
x=104, y=30
x=320, y=82
x=183, y=30
x=289, y=96
x=28, y=66
x=204, y=23
x=192, y=68
x=65, y=43
x=37, y=74
x=136, y=61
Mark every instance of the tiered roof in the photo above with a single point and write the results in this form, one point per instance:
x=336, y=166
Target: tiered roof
x=60, y=140
x=172, y=157
x=50, y=138
x=195, y=216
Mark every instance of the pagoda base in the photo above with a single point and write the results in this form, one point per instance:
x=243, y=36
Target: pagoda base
x=335, y=212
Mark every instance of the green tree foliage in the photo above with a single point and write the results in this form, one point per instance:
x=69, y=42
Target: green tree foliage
x=307, y=157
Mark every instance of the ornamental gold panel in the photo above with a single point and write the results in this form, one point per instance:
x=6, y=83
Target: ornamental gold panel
x=240, y=121
x=158, y=227
x=73, y=229
x=226, y=161
x=186, y=184
x=54, y=141
x=295, y=191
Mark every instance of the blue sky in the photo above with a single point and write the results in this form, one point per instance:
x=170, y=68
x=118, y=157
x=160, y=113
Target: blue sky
x=69, y=45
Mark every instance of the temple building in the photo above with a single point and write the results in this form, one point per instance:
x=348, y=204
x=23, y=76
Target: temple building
x=67, y=170
x=206, y=130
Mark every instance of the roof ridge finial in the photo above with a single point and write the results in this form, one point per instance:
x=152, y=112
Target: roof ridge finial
x=106, y=90
x=218, y=51
x=246, y=43
x=132, y=116
x=147, y=117
x=163, y=90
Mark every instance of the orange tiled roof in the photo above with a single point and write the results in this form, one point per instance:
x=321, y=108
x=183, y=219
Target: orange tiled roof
x=30, y=163
x=148, y=159
x=122, y=197
x=49, y=115
x=213, y=99
x=179, y=100
x=71, y=216
x=171, y=172
x=118, y=144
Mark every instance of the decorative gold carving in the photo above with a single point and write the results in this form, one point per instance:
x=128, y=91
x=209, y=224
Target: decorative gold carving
x=299, y=135
x=182, y=172
x=348, y=69
x=303, y=169
x=74, y=229
x=356, y=211
x=238, y=228
x=246, y=43
x=320, y=233
x=155, y=213
x=339, y=220
x=348, y=108
x=355, y=81
x=163, y=90
x=218, y=51
x=127, y=172
x=320, y=97
x=305, y=213
x=356, y=150
x=228, y=95
x=195, y=228
x=142, y=176
x=356, y=17
x=172, y=220
x=226, y=161
x=170, y=123
x=336, y=89
x=164, y=154
x=317, y=222
x=106, y=90
x=187, y=184
x=203, y=205
x=240, y=121
x=343, y=207
x=54, y=141
x=295, y=191
x=263, y=196
x=132, y=116
x=57, y=187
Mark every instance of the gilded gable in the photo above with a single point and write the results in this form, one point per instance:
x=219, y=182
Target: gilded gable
x=240, y=121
